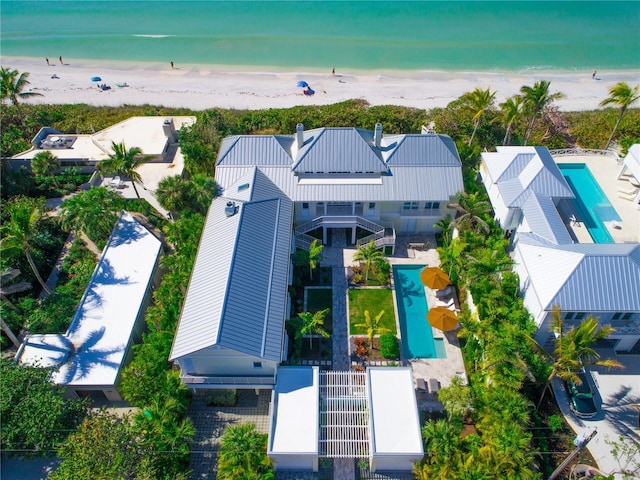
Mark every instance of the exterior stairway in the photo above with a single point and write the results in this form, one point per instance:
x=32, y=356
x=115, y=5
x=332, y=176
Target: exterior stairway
x=380, y=235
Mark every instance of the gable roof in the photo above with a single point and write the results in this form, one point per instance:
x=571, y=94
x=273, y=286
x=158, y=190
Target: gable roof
x=585, y=277
x=246, y=251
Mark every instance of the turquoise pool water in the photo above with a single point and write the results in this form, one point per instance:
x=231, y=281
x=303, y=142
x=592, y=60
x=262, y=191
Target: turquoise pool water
x=591, y=204
x=417, y=337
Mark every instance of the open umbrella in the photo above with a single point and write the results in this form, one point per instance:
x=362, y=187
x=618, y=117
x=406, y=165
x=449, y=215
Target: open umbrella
x=434, y=277
x=96, y=79
x=442, y=318
x=302, y=83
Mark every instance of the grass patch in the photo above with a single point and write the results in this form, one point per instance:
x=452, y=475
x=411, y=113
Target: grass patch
x=374, y=300
x=319, y=299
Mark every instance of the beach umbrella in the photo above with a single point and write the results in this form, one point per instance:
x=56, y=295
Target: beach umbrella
x=302, y=83
x=442, y=318
x=96, y=79
x=434, y=278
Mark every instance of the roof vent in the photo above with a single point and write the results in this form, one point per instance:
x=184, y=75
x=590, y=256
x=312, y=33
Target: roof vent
x=377, y=135
x=230, y=209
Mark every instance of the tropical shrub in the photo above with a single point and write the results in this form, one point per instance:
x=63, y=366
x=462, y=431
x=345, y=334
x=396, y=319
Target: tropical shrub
x=389, y=346
x=243, y=454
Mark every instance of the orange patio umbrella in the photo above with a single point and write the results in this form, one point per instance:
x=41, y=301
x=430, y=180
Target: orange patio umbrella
x=442, y=318
x=434, y=278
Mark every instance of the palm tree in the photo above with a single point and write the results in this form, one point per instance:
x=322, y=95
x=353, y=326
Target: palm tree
x=18, y=230
x=313, y=323
x=623, y=96
x=367, y=254
x=123, y=162
x=446, y=225
x=573, y=350
x=243, y=453
x=93, y=212
x=511, y=112
x=471, y=208
x=478, y=101
x=536, y=99
x=452, y=258
x=372, y=324
x=44, y=164
x=12, y=84
x=315, y=256
x=8, y=288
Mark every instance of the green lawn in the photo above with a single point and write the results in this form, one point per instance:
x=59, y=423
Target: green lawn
x=374, y=300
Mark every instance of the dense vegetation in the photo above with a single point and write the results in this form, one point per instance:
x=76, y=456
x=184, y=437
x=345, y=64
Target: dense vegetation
x=506, y=374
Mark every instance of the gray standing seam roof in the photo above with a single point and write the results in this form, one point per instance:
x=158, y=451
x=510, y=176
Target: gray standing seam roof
x=237, y=294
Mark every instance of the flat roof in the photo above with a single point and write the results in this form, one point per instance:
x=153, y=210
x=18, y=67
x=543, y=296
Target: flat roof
x=294, y=427
x=92, y=351
x=394, y=412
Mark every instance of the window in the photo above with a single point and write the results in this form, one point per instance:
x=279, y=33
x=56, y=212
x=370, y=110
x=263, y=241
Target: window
x=410, y=206
x=580, y=315
x=305, y=205
x=627, y=316
x=372, y=205
x=257, y=364
x=569, y=315
x=616, y=316
x=432, y=205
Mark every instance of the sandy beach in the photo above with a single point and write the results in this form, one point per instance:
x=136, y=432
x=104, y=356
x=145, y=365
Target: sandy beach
x=200, y=87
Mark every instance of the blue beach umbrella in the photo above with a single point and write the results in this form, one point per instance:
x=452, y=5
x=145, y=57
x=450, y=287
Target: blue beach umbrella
x=302, y=83
x=96, y=79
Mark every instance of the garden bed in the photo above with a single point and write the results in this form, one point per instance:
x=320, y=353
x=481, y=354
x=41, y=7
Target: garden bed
x=374, y=300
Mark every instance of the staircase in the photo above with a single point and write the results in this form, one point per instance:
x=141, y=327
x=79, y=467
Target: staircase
x=380, y=235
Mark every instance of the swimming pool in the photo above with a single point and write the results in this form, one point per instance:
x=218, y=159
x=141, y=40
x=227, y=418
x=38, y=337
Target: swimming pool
x=591, y=204
x=417, y=337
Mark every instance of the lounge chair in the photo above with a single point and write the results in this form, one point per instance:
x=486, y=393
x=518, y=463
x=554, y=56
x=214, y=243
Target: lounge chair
x=446, y=302
x=116, y=182
x=434, y=385
x=445, y=292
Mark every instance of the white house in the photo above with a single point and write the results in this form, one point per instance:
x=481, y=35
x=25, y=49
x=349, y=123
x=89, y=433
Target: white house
x=90, y=356
x=529, y=195
x=276, y=189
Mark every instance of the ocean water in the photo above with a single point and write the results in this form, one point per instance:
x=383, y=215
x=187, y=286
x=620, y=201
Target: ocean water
x=369, y=35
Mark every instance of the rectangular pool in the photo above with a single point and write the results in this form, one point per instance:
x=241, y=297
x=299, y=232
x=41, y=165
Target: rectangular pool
x=591, y=204
x=417, y=337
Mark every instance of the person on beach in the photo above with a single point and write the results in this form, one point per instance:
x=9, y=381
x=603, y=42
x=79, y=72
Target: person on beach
x=60, y=58
x=333, y=72
x=171, y=64
x=593, y=76
x=47, y=61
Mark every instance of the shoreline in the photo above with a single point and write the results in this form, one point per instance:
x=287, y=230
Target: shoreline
x=199, y=87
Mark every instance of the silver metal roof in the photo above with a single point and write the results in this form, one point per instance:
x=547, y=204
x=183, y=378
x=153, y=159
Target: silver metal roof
x=418, y=167
x=238, y=289
x=585, y=277
x=543, y=219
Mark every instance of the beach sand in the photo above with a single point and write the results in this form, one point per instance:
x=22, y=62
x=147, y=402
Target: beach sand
x=200, y=87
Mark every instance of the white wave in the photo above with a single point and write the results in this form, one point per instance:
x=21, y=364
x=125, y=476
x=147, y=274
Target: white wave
x=152, y=36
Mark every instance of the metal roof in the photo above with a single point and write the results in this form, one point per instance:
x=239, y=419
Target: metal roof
x=585, y=277
x=419, y=167
x=238, y=289
x=92, y=351
x=543, y=219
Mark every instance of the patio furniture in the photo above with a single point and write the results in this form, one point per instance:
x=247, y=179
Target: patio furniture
x=445, y=292
x=434, y=385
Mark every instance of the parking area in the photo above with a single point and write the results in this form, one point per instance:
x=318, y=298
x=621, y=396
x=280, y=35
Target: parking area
x=617, y=397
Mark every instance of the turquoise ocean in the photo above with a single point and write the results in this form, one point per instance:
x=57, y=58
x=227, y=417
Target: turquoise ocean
x=367, y=35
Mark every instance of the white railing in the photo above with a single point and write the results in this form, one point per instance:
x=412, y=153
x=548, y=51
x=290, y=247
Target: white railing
x=304, y=241
x=223, y=380
x=565, y=152
x=339, y=220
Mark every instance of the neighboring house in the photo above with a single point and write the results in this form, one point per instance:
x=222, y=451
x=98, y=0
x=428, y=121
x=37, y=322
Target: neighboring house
x=90, y=356
x=231, y=330
x=530, y=197
x=153, y=135
x=369, y=415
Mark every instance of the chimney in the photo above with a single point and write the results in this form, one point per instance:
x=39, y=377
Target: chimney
x=377, y=135
x=169, y=130
x=299, y=135
x=230, y=209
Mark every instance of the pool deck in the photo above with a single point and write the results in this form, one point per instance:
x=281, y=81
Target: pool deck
x=605, y=170
x=441, y=369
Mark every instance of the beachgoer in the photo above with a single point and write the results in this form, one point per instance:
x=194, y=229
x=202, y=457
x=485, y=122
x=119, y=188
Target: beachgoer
x=171, y=64
x=61, y=62
x=333, y=72
x=47, y=61
x=594, y=74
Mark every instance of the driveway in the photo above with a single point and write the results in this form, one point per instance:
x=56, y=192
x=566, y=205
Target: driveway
x=615, y=393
